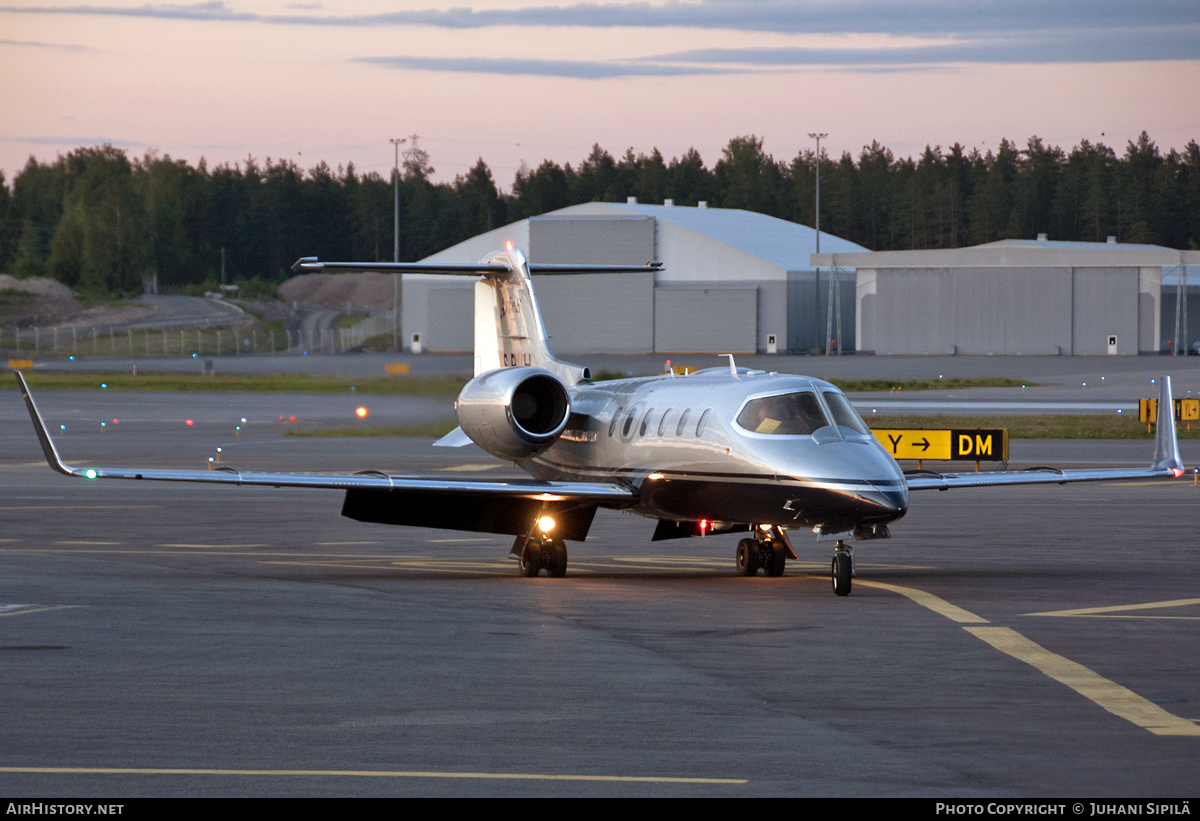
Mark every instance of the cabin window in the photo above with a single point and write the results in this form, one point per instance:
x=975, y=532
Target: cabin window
x=789, y=414
x=662, y=423
x=628, y=426
x=844, y=413
x=703, y=421
x=612, y=426
x=645, y=422
x=682, y=422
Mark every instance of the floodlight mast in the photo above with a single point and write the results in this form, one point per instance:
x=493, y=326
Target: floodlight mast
x=396, y=247
x=817, y=271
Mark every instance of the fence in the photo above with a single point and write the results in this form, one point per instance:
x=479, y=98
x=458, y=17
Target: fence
x=76, y=341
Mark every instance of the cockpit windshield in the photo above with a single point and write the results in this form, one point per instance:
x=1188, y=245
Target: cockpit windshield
x=789, y=414
x=844, y=413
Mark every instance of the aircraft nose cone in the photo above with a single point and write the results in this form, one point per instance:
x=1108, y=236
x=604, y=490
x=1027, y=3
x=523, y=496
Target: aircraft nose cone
x=890, y=499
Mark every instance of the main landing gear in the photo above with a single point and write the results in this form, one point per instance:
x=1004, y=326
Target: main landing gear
x=538, y=553
x=843, y=568
x=770, y=550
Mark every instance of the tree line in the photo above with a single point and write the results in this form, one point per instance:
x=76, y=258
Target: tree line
x=104, y=223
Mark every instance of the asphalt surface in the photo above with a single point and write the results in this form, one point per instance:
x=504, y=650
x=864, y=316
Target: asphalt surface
x=184, y=640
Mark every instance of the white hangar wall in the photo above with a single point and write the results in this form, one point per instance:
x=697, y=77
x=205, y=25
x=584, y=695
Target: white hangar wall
x=731, y=280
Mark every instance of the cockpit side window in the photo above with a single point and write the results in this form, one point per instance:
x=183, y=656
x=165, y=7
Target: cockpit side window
x=844, y=413
x=789, y=414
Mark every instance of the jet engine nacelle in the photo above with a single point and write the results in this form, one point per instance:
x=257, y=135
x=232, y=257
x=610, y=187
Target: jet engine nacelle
x=514, y=413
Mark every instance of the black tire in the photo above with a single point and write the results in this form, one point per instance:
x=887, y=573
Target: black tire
x=558, y=559
x=531, y=559
x=776, y=560
x=747, y=557
x=842, y=573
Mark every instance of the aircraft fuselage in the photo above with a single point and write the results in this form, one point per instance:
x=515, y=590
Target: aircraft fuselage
x=690, y=446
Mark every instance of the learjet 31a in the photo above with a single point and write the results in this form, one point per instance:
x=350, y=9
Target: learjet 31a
x=721, y=450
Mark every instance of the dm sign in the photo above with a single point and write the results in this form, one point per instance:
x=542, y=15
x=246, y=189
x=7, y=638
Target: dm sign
x=968, y=444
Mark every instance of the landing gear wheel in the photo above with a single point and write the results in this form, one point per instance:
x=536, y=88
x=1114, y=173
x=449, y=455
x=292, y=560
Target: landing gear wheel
x=776, y=558
x=843, y=570
x=531, y=559
x=557, y=566
x=747, y=557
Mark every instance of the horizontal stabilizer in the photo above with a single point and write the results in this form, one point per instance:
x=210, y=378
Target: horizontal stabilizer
x=312, y=265
x=454, y=439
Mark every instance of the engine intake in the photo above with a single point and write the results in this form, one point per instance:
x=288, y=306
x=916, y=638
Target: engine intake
x=514, y=413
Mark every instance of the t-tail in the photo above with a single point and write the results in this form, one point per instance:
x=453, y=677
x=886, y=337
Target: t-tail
x=509, y=331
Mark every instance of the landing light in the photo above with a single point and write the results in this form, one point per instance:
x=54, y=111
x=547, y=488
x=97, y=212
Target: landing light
x=89, y=473
x=545, y=524
x=361, y=412
x=655, y=476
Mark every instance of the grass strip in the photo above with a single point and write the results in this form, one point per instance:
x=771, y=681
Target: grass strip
x=1089, y=426
x=445, y=386
x=875, y=385
x=424, y=430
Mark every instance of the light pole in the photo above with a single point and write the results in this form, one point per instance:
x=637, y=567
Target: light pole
x=817, y=271
x=396, y=248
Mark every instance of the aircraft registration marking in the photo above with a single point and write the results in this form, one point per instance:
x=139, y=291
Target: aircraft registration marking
x=1116, y=699
x=643, y=779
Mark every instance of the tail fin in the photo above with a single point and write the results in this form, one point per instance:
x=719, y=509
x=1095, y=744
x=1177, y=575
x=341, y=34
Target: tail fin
x=508, y=324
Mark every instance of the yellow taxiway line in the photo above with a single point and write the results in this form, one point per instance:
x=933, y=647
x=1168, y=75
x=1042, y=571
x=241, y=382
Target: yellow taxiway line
x=1118, y=700
x=1111, y=612
x=643, y=779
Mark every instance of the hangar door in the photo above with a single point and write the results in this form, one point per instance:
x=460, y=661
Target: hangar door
x=450, y=320
x=595, y=313
x=1106, y=304
x=705, y=320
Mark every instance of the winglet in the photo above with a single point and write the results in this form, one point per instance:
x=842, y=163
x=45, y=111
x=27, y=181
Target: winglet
x=1166, y=443
x=43, y=434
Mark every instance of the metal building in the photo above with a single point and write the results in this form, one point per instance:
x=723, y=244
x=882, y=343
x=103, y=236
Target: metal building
x=733, y=281
x=1011, y=297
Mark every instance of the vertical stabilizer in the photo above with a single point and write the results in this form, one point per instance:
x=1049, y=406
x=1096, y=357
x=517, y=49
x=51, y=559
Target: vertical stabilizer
x=508, y=325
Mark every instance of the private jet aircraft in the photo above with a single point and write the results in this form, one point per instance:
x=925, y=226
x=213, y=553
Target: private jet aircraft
x=721, y=450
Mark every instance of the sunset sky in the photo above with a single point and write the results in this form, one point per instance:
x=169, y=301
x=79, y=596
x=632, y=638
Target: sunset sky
x=513, y=81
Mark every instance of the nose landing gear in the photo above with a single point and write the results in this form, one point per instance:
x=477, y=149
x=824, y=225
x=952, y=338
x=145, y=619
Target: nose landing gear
x=843, y=568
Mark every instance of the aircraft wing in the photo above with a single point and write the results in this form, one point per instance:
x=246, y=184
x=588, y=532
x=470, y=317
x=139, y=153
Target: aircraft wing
x=530, y=490
x=1167, y=463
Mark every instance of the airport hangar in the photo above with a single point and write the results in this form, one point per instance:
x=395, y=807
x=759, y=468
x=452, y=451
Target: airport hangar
x=733, y=281
x=1015, y=297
